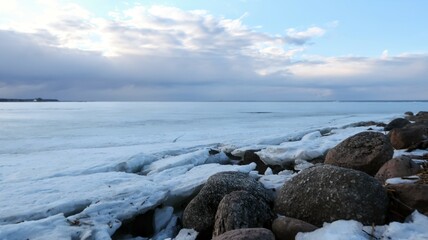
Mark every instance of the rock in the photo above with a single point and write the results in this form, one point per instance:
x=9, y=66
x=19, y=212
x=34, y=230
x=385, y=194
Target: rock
x=408, y=136
x=420, y=117
x=251, y=157
x=422, y=114
x=247, y=234
x=241, y=209
x=421, y=145
x=397, y=167
x=199, y=214
x=365, y=124
x=396, y=123
x=406, y=198
x=286, y=228
x=328, y=193
x=365, y=151
x=409, y=113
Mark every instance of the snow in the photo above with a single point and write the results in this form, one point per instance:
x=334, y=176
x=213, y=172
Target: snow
x=54, y=227
x=79, y=170
x=186, y=234
x=311, y=145
x=400, y=180
x=338, y=230
x=275, y=181
x=413, y=229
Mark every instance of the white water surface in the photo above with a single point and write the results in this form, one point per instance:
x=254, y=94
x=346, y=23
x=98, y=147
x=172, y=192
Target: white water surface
x=69, y=169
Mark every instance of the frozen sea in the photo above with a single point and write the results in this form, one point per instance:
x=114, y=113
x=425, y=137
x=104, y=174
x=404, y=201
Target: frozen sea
x=77, y=170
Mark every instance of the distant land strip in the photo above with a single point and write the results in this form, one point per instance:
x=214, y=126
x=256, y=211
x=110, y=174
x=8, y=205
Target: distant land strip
x=27, y=100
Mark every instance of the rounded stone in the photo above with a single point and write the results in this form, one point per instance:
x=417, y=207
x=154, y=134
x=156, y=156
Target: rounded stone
x=365, y=151
x=328, y=193
x=286, y=228
x=413, y=134
x=397, y=167
x=396, y=123
x=199, y=214
x=241, y=209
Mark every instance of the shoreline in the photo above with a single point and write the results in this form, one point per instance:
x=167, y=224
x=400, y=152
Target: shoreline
x=176, y=178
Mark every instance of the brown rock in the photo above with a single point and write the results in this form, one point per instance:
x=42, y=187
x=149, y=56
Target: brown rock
x=420, y=117
x=397, y=167
x=421, y=145
x=406, y=198
x=251, y=157
x=247, y=234
x=408, y=136
x=396, y=123
x=365, y=151
x=241, y=209
x=328, y=193
x=286, y=228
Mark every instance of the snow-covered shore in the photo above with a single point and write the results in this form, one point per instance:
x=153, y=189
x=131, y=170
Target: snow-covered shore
x=79, y=185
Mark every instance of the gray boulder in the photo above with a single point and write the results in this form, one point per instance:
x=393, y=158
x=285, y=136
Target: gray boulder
x=241, y=209
x=286, y=228
x=199, y=214
x=247, y=234
x=365, y=151
x=329, y=193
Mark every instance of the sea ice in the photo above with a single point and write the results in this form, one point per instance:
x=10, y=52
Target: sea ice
x=78, y=170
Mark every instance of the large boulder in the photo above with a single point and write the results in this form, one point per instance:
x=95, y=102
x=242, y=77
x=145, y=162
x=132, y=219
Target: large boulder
x=199, y=214
x=286, y=228
x=408, y=136
x=396, y=123
x=397, y=167
x=328, y=193
x=247, y=234
x=365, y=151
x=241, y=209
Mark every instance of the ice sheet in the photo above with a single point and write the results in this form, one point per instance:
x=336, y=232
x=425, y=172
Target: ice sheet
x=79, y=169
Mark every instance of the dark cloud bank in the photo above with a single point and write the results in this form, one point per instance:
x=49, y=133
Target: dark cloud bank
x=30, y=67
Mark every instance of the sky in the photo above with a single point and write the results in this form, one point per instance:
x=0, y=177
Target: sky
x=214, y=50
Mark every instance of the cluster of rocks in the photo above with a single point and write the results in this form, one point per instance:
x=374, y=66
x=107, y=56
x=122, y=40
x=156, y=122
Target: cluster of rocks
x=350, y=184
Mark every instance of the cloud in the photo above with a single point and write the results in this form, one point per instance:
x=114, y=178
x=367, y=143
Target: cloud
x=299, y=38
x=166, y=53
